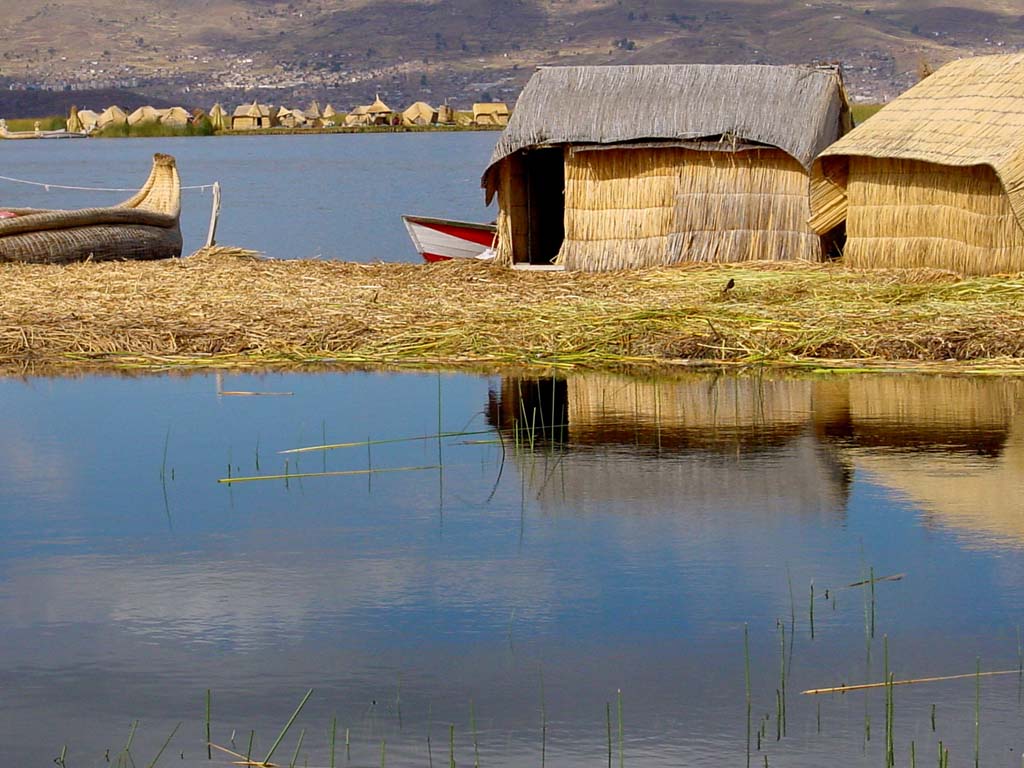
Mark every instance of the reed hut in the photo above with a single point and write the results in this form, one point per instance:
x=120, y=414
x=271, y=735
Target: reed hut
x=419, y=113
x=251, y=116
x=179, y=117
x=74, y=122
x=218, y=117
x=379, y=112
x=88, y=119
x=490, y=113
x=145, y=114
x=445, y=115
x=663, y=164
x=330, y=117
x=936, y=178
x=112, y=115
x=291, y=118
x=358, y=117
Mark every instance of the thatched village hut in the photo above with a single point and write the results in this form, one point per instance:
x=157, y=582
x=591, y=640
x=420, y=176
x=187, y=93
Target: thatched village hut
x=145, y=114
x=419, y=113
x=663, y=164
x=936, y=178
x=490, y=113
x=330, y=117
x=377, y=113
x=74, y=122
x=88, y=119
x=176, y=116
x=112, y=115
x=445, y=115
x=313, y=113
x=291, y=118
x=251, y=116
x=218, y=117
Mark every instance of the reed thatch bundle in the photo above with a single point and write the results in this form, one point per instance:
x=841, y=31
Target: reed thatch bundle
x=936, y=178
x=640, y=207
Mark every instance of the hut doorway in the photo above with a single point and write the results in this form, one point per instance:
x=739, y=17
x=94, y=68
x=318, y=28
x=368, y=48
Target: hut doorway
x=545, y=203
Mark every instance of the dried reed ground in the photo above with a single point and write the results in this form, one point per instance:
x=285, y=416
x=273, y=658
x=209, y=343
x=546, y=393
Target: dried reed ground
x=228, y=307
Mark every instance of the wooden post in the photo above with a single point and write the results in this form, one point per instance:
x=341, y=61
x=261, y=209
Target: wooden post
x=211, y=237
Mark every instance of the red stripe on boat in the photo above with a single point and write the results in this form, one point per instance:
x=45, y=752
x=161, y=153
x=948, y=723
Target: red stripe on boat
x=435, y=257
x=479, y=236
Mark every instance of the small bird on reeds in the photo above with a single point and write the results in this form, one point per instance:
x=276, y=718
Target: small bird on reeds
x=729, y=286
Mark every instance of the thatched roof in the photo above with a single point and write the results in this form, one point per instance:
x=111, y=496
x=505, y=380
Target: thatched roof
x=378, y=107
x=252, y=110
x=419, y=113
x=969, y=112
x=329, y=111
x=146, y=114
x=800, y=110
x=175, y=116
x=218, y=117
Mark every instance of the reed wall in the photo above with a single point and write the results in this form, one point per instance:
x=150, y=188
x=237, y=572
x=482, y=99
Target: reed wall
x=642, y=207
x=906, y=213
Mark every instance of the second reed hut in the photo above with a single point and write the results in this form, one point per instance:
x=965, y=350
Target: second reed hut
x=936, y=178
x=629, y=166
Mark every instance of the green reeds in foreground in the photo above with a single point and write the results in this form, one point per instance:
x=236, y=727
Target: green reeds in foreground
x=342, y=473
x=746, y=679
x=977, y=710
x=284, y=731
x=166, y=742
x=618, y=695
x=209, y=749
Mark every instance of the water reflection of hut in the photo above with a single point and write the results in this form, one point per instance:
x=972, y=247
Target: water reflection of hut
x=937, y=414
x=629, y=166
x=683, y=445
x=954, y=447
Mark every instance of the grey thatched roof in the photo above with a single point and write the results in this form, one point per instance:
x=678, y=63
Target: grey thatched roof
x=800, y=110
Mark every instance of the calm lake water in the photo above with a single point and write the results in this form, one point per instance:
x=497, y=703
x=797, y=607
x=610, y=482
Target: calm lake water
x=333, y=196
x=621, y=535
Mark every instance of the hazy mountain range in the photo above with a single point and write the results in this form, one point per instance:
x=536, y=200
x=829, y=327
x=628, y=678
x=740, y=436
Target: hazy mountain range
x=195, y=52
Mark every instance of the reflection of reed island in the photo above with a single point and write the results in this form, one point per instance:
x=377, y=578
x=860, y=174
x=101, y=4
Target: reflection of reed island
x=694, y=444
x=954, y=447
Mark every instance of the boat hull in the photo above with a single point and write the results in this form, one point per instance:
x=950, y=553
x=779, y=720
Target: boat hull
x=445, y=239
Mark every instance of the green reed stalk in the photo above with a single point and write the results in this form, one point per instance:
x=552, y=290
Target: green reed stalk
x=913, y=755
x=451, y=746
x=817, y=717
x=209, y=749
x=782, y=673
x=618, y=699
x=168, y=741
x=288, y=725
x=476, y=744
x=1020, y=665
x=298, y=746
x=248, y=752
x=812, y=609
x=63, y=756
x=334, y=736
x=977, y=710
x=543, y=723
x=383, y=753
x=778, y=715
x=348, y=745
x=746, y=679
x=872, y=575
x=608, y=720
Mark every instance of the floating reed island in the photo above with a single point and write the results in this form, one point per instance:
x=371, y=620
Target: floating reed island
x=227, y=307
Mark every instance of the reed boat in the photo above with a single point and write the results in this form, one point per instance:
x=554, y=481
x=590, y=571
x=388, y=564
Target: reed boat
x=444, y=239
x=146, y=226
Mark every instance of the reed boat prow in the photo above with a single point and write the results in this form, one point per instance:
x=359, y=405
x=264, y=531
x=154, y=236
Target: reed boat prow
x=145, y=226
x=444, y=239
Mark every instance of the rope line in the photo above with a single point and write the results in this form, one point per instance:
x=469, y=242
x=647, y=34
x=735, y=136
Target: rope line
x=48, y=187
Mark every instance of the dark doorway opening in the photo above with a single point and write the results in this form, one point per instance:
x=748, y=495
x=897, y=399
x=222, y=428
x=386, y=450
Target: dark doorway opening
x=545, y=203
